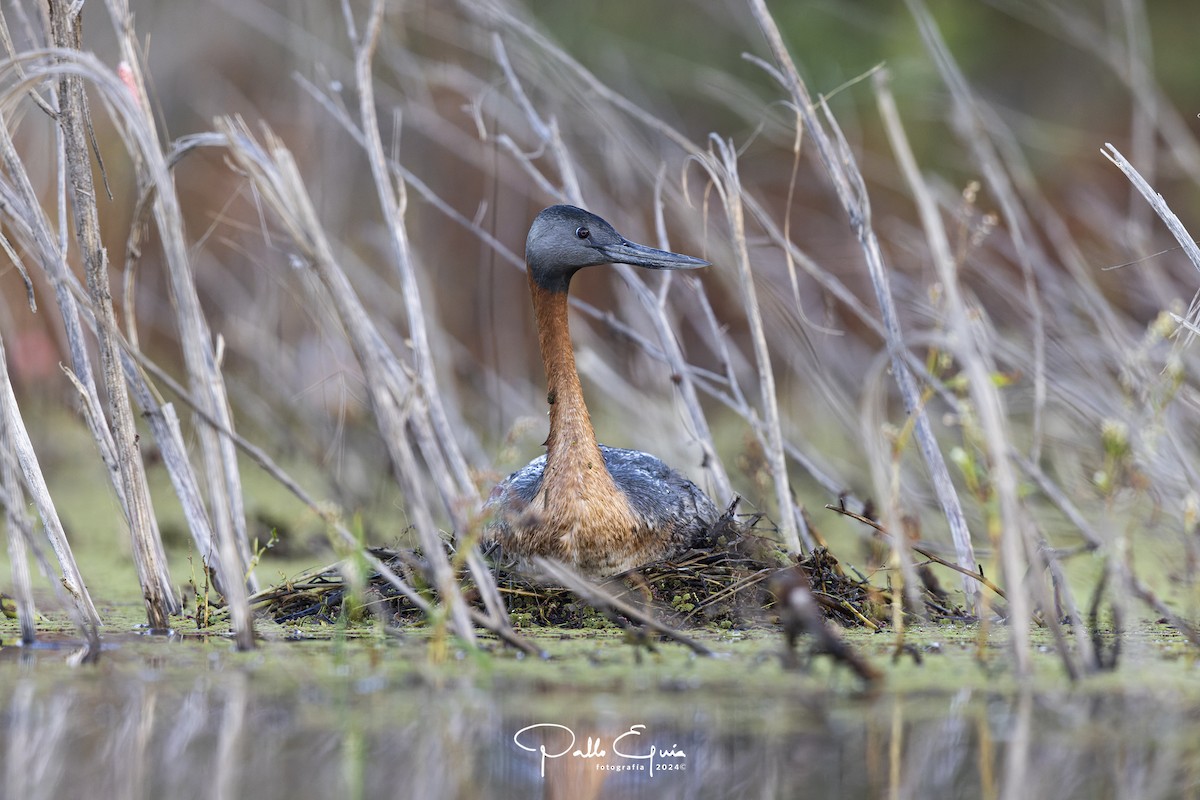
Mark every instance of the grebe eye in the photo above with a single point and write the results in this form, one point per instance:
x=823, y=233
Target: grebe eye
x=582, y=233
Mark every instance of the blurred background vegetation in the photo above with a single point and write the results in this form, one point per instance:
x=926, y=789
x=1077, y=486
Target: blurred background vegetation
x=1060, y=79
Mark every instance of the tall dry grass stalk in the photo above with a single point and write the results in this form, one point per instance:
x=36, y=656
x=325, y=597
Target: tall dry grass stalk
x=970, y=368
x=393, y=397
x=20, y=533
x=1007, y=528
x=69, y=583
x=226, y=518
x=851, y=190
x=114, y=431
x=74, y=122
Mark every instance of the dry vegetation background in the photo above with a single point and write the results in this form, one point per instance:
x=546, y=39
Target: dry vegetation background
x=1059, y=392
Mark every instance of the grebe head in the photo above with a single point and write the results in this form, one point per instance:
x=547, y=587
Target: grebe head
x=565, y=239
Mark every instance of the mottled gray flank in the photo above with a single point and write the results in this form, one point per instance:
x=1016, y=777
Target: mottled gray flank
x=663, y=497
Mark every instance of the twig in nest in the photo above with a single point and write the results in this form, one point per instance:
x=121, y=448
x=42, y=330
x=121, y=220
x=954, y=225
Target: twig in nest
x=840, y=604
x=729, y=592
x=1106, y=658
x=799, y=614
x=500, y=628
x=606, y=603
x=931, y=556
x=1174, y=620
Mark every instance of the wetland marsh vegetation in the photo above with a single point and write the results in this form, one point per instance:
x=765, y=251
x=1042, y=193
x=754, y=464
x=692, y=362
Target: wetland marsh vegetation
x=263, y=313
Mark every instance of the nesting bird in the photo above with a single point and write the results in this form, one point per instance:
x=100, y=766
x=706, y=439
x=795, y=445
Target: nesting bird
x=601, y=510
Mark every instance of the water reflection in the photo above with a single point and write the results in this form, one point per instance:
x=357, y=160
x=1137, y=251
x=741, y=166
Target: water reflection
x=228, y=730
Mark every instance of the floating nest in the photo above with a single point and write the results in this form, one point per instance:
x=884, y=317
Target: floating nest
x=729, y=581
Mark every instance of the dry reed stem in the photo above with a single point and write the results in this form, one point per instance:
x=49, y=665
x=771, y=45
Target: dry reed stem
x=1087, y=652
x=78, y=601
x=1192, y=250
x=1156, y=201
x=20, y=204
x=19, y=528
x=725, y=172
x=438, y=445
x=614, y=608
x=978, y=365
x=681, y=373
x=393, y=199
x=885, y=446
x=223, y=481
x=141, y=142
x=126, y=96
x=497, y=620
x=277, y=180
x=149, y=558
x=1143, y=124
x=975, y=134
x=23, y=210
x=926, y=553
x=227, y=514
x=277, y=473
x=840, y=165
x=166, y=430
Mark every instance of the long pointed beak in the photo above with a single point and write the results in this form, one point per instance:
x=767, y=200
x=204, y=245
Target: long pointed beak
x=641, y=256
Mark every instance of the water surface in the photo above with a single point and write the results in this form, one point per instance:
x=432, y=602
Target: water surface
x=184, y=718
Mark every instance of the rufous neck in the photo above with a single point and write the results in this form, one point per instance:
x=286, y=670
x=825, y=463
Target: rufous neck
x=571, y=432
